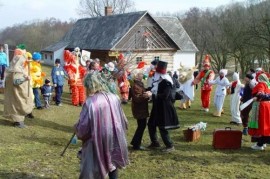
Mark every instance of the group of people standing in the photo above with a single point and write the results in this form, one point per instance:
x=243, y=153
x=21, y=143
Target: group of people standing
x=163, y=114
x=255, y=92
x=102, y=123
x=24, y=82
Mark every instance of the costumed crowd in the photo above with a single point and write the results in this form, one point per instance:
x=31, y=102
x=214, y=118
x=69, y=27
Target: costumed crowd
x=101, y=90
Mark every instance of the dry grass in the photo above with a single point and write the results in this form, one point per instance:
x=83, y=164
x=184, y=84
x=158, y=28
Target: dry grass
x=34, y=152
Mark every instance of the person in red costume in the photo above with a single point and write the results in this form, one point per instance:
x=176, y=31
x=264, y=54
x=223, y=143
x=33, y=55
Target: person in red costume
x=76, y=73
x=204, y=77
x=259, y=124
x=122, y=79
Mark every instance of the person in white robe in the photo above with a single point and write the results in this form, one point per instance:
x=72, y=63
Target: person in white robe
x=235, y=86
x=222, y=84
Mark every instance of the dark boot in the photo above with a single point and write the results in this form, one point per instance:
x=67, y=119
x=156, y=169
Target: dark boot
x=30, y=115
x=19, y=124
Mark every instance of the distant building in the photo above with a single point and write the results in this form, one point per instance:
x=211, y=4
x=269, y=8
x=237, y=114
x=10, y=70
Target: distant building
x=136, y=33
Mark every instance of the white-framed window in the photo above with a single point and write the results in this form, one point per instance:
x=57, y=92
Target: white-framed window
x=46, y=56
x=138, y=60
x=51, y=57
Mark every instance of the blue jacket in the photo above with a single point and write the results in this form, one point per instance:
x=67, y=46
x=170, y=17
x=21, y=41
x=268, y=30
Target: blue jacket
x=46, y=90
x=58, y=76
x=3, y=59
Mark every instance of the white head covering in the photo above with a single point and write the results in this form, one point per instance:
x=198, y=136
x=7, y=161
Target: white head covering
x=223, y=71
x=235, y=76
x=258, y=69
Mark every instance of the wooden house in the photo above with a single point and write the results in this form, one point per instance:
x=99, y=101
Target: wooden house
x=137, y=34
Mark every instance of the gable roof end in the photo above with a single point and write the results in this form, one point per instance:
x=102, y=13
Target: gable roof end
x=173, y=27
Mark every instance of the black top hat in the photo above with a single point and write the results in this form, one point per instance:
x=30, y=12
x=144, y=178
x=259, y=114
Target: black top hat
x=154, y=62
x=162, y=67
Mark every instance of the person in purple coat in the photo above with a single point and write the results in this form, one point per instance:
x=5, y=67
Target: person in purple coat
x=102, y=128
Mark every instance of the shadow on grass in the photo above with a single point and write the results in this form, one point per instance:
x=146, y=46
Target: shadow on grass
x=21, y=175
x=48, y=124
x=2, y=101
x=219, y=157
x=48, y=140
x=4, y=122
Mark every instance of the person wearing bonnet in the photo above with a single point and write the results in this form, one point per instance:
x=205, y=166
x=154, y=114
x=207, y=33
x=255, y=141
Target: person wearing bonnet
x=102, y=128
x=259, y=124
x=163, y=114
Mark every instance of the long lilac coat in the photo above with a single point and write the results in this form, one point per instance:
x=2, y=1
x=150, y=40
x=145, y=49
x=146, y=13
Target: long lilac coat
x=102, y=127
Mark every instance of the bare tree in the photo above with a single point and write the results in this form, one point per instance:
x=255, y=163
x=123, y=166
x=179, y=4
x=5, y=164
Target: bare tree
x=94, y=8
x=260, y=31
x=196, y=26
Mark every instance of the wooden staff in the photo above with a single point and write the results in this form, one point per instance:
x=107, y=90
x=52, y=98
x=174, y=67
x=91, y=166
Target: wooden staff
x=62, y=154
x=28, y=77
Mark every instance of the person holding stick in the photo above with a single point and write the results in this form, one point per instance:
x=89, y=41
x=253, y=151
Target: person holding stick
x=101, y=127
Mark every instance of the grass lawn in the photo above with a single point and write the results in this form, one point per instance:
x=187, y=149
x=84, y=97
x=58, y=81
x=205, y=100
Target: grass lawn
x=34, y=152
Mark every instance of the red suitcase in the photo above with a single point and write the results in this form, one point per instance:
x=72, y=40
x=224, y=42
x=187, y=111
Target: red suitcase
x=227, y=138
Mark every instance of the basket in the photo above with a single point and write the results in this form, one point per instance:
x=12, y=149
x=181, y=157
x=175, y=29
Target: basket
x=191, y=135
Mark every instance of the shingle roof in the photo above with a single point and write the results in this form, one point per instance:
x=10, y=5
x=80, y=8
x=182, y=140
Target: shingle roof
x=101, y=33
x=56, y=46
x=173, y=27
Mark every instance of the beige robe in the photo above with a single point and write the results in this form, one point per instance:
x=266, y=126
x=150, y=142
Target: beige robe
x=18, y=100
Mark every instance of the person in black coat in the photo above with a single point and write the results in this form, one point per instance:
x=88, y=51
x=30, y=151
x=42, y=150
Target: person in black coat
x=163, y=114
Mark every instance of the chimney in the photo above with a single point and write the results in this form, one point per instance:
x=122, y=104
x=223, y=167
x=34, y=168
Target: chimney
x=108, y=11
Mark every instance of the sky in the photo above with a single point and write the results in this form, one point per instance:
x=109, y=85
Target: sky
x=19, y=11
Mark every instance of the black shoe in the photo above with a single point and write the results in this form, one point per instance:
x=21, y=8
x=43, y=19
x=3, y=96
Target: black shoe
x=19, y=124
x=168, y=149
x=79, y=154
x=138, y=148
x=154, y=145
x=235, y=123
x=40, y=108
x=30, y=115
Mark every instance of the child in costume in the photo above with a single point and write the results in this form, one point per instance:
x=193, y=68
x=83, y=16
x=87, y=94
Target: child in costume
x=46, y=91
